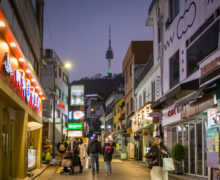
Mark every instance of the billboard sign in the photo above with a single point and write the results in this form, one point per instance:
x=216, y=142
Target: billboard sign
x=75, y=126
x=77, y=95
x=77, y=115
x=75, y=133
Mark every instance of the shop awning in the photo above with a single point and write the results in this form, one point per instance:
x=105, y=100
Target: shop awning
x=189, y=98
x=178, y=92
x=210, y=78
x=34, y=126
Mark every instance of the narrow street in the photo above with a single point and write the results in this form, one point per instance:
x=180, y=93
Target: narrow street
x=121, y=170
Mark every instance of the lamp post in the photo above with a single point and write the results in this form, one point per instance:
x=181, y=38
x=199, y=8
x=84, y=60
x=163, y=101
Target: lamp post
x=66, y=65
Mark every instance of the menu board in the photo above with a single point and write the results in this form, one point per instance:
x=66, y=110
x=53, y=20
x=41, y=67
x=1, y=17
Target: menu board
x=32, y=158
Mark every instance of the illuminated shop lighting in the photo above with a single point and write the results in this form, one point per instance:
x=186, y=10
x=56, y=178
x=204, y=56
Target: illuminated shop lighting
x=12, y=44
x=21, y=59
x=27, y=71
x=40, y=93
x=33, y=80
x=2, y=24
x=43, y=98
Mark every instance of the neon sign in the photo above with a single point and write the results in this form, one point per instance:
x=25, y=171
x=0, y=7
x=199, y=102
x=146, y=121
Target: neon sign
x=61, y=105
x=23, y=85
x=7, y=65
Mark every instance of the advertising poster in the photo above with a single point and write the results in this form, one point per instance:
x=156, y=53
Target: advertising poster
x=212, y=149
x=31, y=158
x=77, y=95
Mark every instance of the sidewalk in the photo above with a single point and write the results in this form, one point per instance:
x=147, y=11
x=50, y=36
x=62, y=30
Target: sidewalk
x=36, y=172
x=171, y=175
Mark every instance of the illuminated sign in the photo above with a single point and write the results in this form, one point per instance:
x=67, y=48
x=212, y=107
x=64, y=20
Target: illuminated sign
x=75, y=133
x=213, y=118
x=77, y=95
x=75, y=126
x=70, y=115
x=77, y=115
x=7, y=65
x=23, y=85
x=61, y=105
x=16, y=72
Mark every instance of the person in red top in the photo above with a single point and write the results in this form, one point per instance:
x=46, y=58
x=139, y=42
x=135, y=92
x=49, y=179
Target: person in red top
x=108, y=150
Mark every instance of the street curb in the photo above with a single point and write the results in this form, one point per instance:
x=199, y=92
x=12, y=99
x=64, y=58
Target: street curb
x=37, y=175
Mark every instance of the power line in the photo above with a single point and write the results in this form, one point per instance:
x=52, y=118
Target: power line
x=50, y=32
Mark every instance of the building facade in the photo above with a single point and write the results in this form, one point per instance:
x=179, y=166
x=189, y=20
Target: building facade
x=21, y=93
x=147, y=89
x=137, y=55
x=120, y=134
x=188, y=41
x=55, y=83
x=94, y=111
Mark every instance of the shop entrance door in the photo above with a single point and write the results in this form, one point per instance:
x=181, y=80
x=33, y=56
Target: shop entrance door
x=6, y=130
x=195, y=163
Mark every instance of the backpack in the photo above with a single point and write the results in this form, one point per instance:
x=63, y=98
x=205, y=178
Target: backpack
x=108, y=149
x=62, y=147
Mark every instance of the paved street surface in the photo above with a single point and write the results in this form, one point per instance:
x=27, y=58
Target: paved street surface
x=121, y=170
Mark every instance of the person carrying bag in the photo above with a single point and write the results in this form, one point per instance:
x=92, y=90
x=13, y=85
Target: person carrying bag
x=158, y=160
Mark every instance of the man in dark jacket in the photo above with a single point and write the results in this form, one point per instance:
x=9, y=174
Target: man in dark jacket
x=108, y=150
x=94, y=149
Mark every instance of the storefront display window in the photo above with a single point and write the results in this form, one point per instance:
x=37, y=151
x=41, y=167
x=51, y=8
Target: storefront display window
x=185, y=144
x=191, y=135
x=192, y=147
x=179, y=134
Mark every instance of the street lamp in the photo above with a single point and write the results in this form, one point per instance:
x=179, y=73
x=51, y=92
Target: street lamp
x=67, y=66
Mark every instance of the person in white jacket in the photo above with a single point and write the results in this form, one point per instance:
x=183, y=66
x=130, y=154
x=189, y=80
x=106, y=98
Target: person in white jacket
x=82, y=151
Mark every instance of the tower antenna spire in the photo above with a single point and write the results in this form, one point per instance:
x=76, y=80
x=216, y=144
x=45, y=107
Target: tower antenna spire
x=109, y=55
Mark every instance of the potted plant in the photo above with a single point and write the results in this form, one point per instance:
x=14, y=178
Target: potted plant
x=178, y=154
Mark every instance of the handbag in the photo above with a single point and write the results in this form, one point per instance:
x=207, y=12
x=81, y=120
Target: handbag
x=88, y=163
x=168, y=164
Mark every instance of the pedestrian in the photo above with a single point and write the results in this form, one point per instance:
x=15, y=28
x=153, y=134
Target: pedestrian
x=108, y=150
x=82, y=151
x=74, y=148
x=94, y=149
x=155, y=156
x=61, y=148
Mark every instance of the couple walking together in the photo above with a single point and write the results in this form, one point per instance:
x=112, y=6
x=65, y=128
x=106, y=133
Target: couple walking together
x=94, y=149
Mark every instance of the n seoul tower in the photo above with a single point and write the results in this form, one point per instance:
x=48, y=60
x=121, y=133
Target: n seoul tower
x=109, y=55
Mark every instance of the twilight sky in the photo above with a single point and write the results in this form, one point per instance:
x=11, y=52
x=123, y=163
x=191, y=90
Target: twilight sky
x=78, y=31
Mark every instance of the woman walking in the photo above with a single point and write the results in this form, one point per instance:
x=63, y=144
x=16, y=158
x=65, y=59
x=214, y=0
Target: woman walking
x=82, y=151
x=155, y=156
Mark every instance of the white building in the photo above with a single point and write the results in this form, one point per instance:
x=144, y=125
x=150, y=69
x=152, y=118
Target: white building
x=186, y=40
x=55, y=82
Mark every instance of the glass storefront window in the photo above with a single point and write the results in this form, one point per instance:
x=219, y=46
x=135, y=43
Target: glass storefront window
x=180, y=134
x=192, y=148
x=199, y=146
x=185, y=144
x=193, y=137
